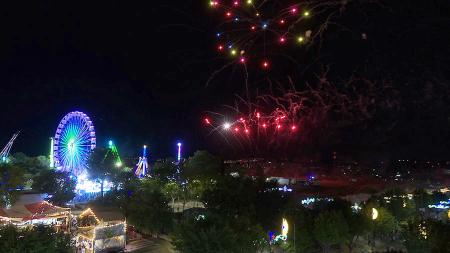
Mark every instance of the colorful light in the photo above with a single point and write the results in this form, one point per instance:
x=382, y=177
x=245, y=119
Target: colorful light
x=142, y=165
x=179, y=151
x=52, y=162
x=73, y=142
x=115, y=153
x=281, y=21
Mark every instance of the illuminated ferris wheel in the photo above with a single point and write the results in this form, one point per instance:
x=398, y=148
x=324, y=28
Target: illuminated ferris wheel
x=74, y=140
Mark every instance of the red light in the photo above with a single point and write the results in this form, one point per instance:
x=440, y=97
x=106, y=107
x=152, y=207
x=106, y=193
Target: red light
x=236, y=129
x=282, y=39
x=229, y=14
x=258, y=115
x=207, y=121
x=235, y=3
x=293, y=128
x=242, y=60
x=293, y=10
x=247, y=131
x=241, y=119
x=278, y=126
x=220, y=47
x=253, y=28
x=282, y=21
x=265, y=64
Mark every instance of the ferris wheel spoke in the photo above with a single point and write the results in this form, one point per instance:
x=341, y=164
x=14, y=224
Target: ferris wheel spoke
x=74, y=137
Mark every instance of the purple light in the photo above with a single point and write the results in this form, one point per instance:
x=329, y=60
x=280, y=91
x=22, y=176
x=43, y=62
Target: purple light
x=179, y=151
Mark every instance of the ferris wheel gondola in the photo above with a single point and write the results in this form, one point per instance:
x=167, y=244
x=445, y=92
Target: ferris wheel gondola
x=73, y=142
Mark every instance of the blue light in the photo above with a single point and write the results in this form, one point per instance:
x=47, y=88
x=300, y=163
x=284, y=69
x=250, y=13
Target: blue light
x=179, y=151
x=264, y=25
x=218, y=34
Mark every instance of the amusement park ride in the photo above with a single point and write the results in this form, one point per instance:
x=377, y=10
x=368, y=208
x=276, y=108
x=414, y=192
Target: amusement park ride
x=5, y=151
x=115, y=153
x=142, y=165
x=72, y=144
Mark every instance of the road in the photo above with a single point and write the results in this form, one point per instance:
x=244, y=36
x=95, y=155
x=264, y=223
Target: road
x=149, y=246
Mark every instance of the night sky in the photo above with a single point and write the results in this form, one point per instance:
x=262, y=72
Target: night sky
x=139, y=70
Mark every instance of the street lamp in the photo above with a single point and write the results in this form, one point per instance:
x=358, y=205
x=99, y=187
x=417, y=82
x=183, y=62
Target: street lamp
x=374, y=213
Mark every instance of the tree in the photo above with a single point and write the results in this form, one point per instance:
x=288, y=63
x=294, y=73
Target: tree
x=172, y=190
x=302, y=221
x=60, y=185
x=234, y=197
x=202, y=166
x=401, y=207
x=415, y=240
x=11, y=180
x=358, y=226
x=148, y=209
x=101, y=166
x=38, y=239
x=200, y=236
x=127, y=185
x=385, y=224
x=330, y=228
x=213, y=233
x=422, y=199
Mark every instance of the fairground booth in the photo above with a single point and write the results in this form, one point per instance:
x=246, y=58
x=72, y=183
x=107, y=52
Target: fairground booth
x=95, y=235
x=41, y=212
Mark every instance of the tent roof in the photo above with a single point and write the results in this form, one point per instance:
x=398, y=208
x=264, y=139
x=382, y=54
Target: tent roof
x=31, y=211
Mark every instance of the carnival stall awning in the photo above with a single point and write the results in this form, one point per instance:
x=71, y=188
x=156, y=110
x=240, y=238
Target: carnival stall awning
x=32, y=211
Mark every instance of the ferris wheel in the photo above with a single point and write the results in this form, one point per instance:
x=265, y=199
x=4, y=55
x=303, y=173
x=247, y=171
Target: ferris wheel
x=74, y=140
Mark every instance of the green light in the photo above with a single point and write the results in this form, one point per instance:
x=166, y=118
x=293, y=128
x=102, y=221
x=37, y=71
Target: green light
x=306, y=13
x=115, y=153
x=71, y=145
x=300, y=39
